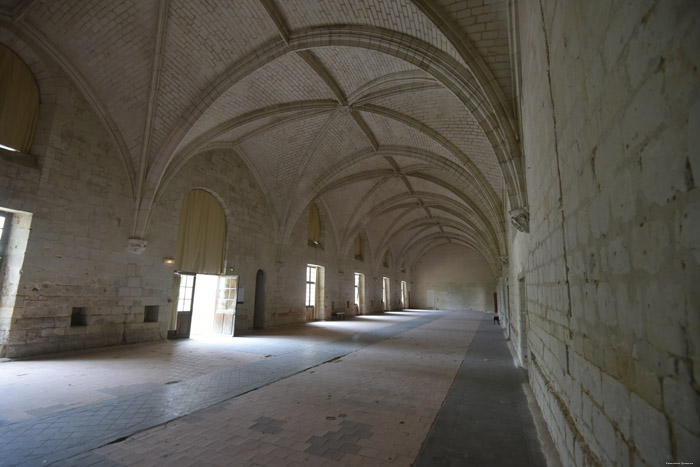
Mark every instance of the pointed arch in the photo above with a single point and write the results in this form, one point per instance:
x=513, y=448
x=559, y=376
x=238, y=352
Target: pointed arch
x=201, y=236
x=19, y=102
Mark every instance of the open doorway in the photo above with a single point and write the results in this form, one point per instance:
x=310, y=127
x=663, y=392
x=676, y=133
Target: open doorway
x=359, y=293
x=14, y=236
x=202, y=293
x=203, y=304
x=315, y=292
x=206, y=305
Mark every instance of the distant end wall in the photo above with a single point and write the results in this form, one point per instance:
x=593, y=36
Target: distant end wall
x=452, y=277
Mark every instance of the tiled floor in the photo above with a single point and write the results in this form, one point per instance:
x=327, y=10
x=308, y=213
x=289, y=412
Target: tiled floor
x=358, y=392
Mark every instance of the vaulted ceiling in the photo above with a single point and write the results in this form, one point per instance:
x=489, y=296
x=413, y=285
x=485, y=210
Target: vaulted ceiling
x=396, y=116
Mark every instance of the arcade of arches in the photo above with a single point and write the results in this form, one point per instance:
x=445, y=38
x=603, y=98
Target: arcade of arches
x=538, y=158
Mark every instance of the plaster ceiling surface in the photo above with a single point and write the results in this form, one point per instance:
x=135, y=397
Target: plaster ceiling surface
x=394, y=114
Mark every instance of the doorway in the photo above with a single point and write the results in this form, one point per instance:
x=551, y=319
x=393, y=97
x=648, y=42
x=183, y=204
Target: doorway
x=206, y=305
x=259, y=311
x=203, y=294
x=359, y=293
x=15, y=227
x=315, y=292
x=203, y=304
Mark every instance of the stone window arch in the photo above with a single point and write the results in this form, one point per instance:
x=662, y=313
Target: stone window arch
x=386, y=260
x=201, y=238
x=359, y=246
x=19, y=102
x=314, y=226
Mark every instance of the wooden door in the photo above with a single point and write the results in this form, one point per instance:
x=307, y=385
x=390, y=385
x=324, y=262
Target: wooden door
x=225, y=312
x=185, y=299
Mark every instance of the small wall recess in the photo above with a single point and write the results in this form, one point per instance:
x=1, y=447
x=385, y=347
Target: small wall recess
x=78, y=316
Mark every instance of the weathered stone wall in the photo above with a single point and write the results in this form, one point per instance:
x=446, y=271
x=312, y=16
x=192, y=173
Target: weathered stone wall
x=117, y=285
x=610, y=105
x=249, y=228
x=339, y=269
x=512, y=293
x=460, y=279
x=76, y=254
x=81, y=205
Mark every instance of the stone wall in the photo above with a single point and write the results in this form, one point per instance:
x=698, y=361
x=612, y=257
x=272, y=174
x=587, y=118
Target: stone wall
x=76, y=257
x=610, y=115
x=75, y=197
x=459, y=278
x=80, y=204
x=512, y=294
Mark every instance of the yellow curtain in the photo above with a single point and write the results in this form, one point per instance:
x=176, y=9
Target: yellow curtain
x=201, y=235
x=314, y=225
x=19, y=102
x=358, y=246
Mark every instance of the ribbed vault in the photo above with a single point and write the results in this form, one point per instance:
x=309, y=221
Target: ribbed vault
x=395, y=115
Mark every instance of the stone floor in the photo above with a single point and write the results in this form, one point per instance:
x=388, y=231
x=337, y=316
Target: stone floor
x=380, y=390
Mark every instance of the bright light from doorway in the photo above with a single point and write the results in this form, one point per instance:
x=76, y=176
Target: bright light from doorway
x=204, y=306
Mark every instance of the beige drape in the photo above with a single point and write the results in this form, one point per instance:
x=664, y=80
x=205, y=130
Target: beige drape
x=314, y=225
x=358, y=246
x=201, y=235
x=19, y=102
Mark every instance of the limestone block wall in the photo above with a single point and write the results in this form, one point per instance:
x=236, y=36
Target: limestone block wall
x=513, y=294
x=79, y=206
x=610, y=105
x=339, y=269
x=80, y=203
x=252, y=244
x=114, y=286
x=459, y=278
x=249, y=228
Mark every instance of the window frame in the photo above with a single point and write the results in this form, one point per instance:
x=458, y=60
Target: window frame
x=184, y=291
x=311, y=285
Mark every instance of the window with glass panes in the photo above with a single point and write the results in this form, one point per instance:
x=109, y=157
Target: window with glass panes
x=184, y=298
x=311, y=285
x=227, y=294
x=357, y=290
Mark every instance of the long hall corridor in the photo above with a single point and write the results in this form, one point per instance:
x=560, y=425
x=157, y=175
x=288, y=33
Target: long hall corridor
x=399, y=388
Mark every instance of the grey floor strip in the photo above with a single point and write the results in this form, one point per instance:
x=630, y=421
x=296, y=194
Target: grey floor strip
x=485, y=419
x=56, y=437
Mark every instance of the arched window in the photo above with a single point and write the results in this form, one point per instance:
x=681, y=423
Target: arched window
x=201, y=235
x=358, y=247
x=385, y=260
x=19, y=102
x=314, y=226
